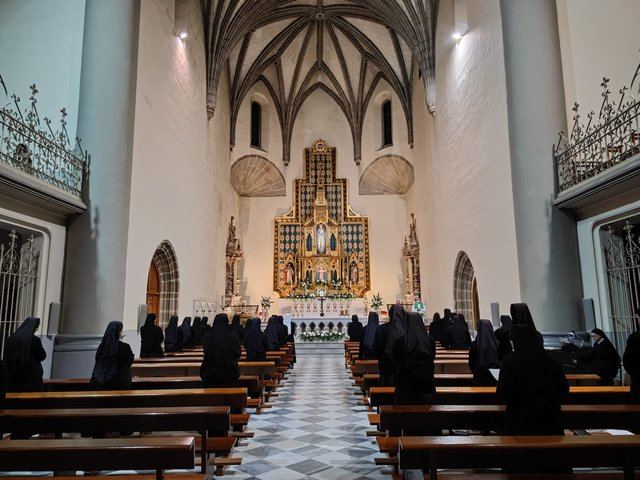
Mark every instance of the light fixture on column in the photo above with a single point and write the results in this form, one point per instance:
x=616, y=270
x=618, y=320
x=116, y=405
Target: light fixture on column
x=460, y=19
x=180, y=19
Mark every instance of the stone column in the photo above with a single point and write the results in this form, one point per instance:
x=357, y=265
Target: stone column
x=546, y=237
x=97, y=240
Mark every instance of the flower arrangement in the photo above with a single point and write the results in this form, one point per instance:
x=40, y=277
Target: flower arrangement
x=322, y=336
x=265, y=303
x=342, y=296
x=304, y=284
x=337, y=284
x=376, y=302
x=301, y=296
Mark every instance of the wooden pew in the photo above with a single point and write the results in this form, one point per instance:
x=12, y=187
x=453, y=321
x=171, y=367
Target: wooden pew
x=235, y=398
x=186, y=369
x=154, y=453
x=444, y=365
x=466, y=379
x=487, y=396
x=107, y=420
x=433, y=419
x=554, y=452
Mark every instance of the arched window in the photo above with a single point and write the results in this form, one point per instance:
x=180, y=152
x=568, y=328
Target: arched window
x=256, y=125
x=387, y=125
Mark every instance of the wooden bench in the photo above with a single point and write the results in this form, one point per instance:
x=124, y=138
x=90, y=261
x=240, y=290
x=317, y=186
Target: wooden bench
x=466, y=380
x=554, y=452
x=444, y=365
x=487, y=395
x=433, y=419
x=190, y=369
x=107, y=420
x=154, y=453
x=235, y=398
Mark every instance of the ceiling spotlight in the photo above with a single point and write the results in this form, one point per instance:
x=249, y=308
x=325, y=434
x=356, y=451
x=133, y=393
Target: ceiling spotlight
x=182, y=35
x=457, y=36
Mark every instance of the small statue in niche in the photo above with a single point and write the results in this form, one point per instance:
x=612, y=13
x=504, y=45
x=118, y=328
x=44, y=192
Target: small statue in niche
x=321, y=238
x=290, y=274
x=353, y=273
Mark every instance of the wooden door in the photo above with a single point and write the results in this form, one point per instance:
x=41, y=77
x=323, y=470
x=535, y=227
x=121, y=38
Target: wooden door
x=476, y=304
x=153, y=290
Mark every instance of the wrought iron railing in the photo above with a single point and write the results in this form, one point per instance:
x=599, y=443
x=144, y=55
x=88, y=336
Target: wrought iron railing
x=598, y=146
x=37, y=150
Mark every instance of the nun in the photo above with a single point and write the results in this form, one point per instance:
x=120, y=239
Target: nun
x=255, y=342
x=354, y=330
x=381, y=340
x=413, y=352
x=205, y=327
x=457, y=336
x=112, y=369
x=532, y=385
x=222, y=350
x=3, y=383
x=291, y=338
x=503, y=336
x=151, y=338
x=368, y=336
x=272, y=334
x=172, y=333
x=196, y=331
x=23, y=354
x=483, y=355
x=237, y=328
x=605, y=357
x=435, y=327
x=631, y=360
x=283, y=331
x=186, y=339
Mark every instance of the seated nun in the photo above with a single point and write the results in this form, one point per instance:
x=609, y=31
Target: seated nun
x=382, y=348
x=151, y=338
x=368, y=336
x=483, y=355
x=532, y=385
x=435, y=327
x=283, y=331
x=292, y=336
x=631, y=360
x=112, y=369
x=186, y=340
x=456, y=335
x=354, y=329
x=255, y=341
x=237, y=328
x=605, y=357
x=221, y=353
x=23, y=354
x=172, y=335
x=271, y=331
x=503, y=336
x=413, y=354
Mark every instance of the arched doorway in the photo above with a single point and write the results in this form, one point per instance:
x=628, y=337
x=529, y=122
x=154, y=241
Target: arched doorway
x=465, y=289
x=163, y=283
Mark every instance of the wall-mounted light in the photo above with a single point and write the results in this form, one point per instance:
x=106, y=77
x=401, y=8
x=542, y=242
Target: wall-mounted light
x=180, y=19
x=461, y=24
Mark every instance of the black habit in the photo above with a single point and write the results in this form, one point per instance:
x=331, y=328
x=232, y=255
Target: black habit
x=221, y=353
x=23, y=354
x=151, y=338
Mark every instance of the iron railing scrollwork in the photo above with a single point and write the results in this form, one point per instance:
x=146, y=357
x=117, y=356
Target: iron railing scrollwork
x=36, y=149
x=599, y=145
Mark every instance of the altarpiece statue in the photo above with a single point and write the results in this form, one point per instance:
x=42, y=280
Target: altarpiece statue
x=321, y=245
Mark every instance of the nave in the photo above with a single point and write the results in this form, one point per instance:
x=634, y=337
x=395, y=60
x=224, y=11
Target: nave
x=316, y=429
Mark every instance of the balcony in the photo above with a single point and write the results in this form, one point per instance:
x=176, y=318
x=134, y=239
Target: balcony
x=37, y=164
x=602, y=154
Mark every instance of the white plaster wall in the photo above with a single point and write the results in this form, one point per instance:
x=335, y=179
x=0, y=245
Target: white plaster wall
x=180, y=178
x=41, y=43
x=463, y=191
x=273, y=143
x=597, y=39
x=372, y=128
x=320, y=117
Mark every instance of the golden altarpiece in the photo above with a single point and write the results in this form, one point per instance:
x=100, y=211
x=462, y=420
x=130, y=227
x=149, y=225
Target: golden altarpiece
x=321, y=246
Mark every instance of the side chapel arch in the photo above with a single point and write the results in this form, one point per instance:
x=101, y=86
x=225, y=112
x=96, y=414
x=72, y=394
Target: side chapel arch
x=465, y=289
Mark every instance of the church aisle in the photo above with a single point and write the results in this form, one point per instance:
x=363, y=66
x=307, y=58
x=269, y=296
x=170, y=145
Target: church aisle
x=316, y=429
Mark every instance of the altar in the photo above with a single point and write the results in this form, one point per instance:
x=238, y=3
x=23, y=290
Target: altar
x=331, y=310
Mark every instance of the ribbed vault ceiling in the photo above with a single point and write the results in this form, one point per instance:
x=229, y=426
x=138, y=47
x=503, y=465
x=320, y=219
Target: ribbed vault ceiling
x=343, y=47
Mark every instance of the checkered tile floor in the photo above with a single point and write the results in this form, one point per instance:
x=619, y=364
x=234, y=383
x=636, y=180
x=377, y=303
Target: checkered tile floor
x=316, y=429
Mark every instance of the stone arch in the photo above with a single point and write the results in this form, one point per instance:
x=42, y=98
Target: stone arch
x=387, y=175
x=166, y=262
x=255, y=176
x=465, y=291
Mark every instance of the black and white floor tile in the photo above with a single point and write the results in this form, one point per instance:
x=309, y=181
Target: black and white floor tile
x=315, y=430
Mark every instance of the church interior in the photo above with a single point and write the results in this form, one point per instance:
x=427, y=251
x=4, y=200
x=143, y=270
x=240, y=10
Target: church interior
x=327, y=239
